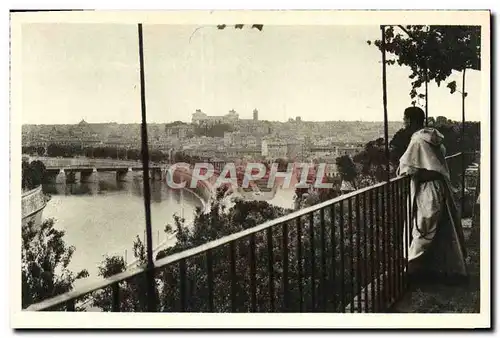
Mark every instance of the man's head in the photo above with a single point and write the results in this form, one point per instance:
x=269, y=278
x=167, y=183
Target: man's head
x=414, y=118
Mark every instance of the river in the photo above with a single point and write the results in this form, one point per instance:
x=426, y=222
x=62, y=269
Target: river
x=104, y=218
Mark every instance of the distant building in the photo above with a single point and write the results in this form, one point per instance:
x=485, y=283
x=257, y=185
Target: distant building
x=293, y=149
x=179, y=130
x=200, y=117
x=255, y=115
x=275, y=149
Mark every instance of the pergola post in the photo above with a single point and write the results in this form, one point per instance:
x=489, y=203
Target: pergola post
x=463, y=141
x=151, y=290
x=384, y=97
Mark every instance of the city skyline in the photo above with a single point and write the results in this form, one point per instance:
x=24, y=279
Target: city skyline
x=76, y=71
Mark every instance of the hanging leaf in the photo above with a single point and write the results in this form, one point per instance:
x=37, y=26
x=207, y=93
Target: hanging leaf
x=369, y=43
x=453, y=86
x=239, y=26
x=259, y=27
x=465, y=94
x=439, y=49
x=421, y=96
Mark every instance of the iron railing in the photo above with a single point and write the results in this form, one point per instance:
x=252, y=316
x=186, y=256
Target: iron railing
x=345, y=254
x=348, y=254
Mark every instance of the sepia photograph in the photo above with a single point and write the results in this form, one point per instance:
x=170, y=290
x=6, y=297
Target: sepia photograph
x=278, y=169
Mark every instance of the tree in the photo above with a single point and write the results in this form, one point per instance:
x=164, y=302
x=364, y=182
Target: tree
x=33, y=174
x=219, y=222
x=131, y=291
x=433, y=52
x=45, y=260
x=346, y=168
x=372, y=159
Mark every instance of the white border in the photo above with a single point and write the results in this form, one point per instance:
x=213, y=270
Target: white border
x=137, y=320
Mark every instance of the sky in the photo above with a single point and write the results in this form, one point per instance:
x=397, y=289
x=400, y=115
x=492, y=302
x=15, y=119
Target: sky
x=75, y=71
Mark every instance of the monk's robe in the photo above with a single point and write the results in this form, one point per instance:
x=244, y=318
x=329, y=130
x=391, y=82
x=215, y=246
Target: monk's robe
x=437, y=247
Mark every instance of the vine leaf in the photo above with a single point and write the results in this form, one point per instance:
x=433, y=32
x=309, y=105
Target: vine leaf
x=452, y=86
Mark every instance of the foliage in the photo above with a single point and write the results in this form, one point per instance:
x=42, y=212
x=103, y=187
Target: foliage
x=56, y=150
x=61, y=150
x=432, y=52
x=174, y=124
x=45, y=260
x=33, y=150
x=182, y=157
x=372, y=159
x=349, y=259
x=33, y=174
x=346, y=168
x=217, y=223
x=240, y=26
x=131, y=291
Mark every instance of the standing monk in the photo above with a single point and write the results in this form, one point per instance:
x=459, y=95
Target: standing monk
x=437, y=248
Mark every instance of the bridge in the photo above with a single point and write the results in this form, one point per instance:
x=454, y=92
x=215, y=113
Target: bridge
x=63, y=170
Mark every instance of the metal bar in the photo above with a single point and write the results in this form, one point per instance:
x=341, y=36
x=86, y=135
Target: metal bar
x=323, y=261
x=332, y=290
x=253, y=282
x=358, y=253
x=342, y=256
x=404, y=245
x=463, y=142
x=395, y=237
x=115, y=292
x=286, y=291
x=400, y=235
x=390, y=239
x=313, y=261
x=387, y=218
x=70, y=305
x=380, y=260
x=384, y=98
x=408, y=228
x=385, y=281
x=372, y=251
x=270, y=264
x=232, y=255
x=182, y=284
x=299, y=263
x=351, y=252
x=210, y=281
x=151, y=290
x=426, y=71
x=366, y=280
